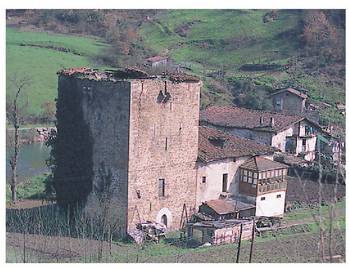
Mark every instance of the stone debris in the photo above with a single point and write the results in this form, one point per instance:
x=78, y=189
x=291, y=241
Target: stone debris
x=148, y=231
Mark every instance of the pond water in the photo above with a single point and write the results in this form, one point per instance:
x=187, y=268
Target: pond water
x=31, y=161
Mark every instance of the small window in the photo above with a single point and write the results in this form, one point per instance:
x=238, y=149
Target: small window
x=204, y=179
x=225, y=182
x=278, y=196
x=262, y=198
x=166, y=144
x=161, y=187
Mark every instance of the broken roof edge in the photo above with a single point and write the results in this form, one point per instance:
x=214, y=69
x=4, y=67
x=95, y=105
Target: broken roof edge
x=128, y=73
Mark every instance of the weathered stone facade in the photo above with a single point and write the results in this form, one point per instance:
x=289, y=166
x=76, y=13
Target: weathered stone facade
x=163, y=145
x=134, y=132
x=289, y=103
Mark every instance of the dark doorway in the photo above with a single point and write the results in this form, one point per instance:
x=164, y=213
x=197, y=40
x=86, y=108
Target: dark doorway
x=164, y=220
x=225, y=182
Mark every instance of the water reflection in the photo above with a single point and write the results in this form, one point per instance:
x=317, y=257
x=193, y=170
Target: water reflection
x=31, y=161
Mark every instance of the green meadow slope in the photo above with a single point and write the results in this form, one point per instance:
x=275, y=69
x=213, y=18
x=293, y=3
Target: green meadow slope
x=209, y=41
x=40, y=55
x=213, y=44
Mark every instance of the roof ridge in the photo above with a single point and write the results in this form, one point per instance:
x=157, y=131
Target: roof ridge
x=254, y=110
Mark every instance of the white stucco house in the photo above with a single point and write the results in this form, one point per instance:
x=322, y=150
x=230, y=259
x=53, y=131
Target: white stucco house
x=238, y=169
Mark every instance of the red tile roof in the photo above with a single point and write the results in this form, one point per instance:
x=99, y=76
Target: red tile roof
x=292, y=91
x=231, y=116
x=262, y=164
x=217, y=145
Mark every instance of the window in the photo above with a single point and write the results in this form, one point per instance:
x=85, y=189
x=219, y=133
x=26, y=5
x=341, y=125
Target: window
x=262, y=198
x=244, y=175
x=250, y=177
x=278, y=196
x=278, y=103
x=166, y=144
x=204, y=179
x=225, y=182
x=255, y=181
x=161, y=187
x=268, y=174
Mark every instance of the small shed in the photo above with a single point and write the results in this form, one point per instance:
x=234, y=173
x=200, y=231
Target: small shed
x=227, y=209
x=157, y=61
x=219, y=232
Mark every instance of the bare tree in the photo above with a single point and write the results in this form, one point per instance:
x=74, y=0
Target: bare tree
x=14, y=116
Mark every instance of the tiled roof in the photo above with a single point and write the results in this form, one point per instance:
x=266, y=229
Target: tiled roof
x=231, y=116
x=290, y=90
x=262, y=164
x=216, y=145
x=223, y=207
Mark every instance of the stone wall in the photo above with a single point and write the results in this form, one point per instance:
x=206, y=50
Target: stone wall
x=291, y=104
x=163, y=145
x=92, y=145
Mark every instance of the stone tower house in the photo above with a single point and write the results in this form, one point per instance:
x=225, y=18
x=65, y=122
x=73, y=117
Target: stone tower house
x=131, y=135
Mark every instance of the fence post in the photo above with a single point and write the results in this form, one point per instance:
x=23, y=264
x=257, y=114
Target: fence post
x=239, y=245
x=252, y=240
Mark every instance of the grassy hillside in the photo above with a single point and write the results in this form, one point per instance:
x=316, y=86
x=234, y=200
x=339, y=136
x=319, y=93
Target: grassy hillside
x=213, y=41
x=39, y=55
x=213, y=44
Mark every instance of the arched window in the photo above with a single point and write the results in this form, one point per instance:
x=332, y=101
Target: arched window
x=164, y=220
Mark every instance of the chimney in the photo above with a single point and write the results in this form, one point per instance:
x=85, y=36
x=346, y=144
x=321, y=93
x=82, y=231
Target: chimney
x=261, y=120
x=272, y=121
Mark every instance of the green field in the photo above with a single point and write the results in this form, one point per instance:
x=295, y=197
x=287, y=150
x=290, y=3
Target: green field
x=210, y=40
x=41, y=64
x=221, y=30
x=204, y=41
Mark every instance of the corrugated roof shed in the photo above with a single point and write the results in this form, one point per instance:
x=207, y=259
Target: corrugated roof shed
x=223, y=207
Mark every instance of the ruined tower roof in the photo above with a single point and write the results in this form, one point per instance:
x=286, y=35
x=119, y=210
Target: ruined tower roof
x=217, y=145
x=123, y=74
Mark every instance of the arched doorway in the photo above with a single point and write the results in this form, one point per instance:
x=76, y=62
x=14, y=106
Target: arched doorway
x=164, y=216
x=164, y=220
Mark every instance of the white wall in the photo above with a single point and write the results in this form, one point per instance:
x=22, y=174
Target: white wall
x=279, y=140
x=214, y=177
x=310, y=147
x=271, y=206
